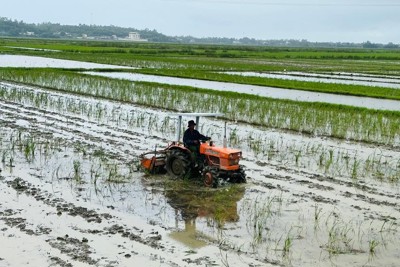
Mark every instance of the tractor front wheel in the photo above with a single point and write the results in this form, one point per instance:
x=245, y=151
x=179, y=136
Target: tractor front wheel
x=210, y=177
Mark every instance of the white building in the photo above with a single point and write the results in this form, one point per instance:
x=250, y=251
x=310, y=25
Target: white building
x=135, y=36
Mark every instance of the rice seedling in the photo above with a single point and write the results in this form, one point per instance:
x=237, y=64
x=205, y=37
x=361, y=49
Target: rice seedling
x=330, y=163
x=29, y=148
x=114, y=176
x=77, y=171
x=224, y=258
x=315, y=118
x=259, y=212
x=373, y=244
x=4, y=156
x=317, y=216
x=354, y=169
x=287, y=246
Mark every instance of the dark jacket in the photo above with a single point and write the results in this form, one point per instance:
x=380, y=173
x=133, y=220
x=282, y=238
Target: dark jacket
x=190, y=136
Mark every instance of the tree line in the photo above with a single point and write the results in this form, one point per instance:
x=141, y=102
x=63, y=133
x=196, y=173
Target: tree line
x=14, y=28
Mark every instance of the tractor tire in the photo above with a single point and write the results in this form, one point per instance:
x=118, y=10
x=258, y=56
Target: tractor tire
x=242, y=176
x=178, y=164
x=210, y=177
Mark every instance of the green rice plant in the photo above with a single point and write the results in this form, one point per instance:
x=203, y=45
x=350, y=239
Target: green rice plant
x=259, y=212
x=4, y=156
x=287, y=245
x=373, y=244
x=340, y=236
x=297, y=157
x=354, y=170
x=317, y=216
x=315, y=118
x=114, y=175
x=95, y=174
x=11, y=162
x=329, y=161
x=77, y=171
x=29, y=148
x=374, y=167
x=233, y=137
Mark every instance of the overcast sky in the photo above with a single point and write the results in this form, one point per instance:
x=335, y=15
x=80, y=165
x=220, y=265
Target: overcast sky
x=377, y=21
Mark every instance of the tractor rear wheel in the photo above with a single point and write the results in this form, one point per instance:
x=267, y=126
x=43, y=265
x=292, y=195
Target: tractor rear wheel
x=178, y=164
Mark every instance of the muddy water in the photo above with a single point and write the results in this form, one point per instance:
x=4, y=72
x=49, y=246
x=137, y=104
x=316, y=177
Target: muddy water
x=323, y=219
x=272, y=92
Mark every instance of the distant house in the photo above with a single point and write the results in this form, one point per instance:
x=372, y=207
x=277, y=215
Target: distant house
x=135, y=36
x=30, y=33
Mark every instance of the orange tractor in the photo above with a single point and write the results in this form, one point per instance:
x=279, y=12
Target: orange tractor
x=216, y=165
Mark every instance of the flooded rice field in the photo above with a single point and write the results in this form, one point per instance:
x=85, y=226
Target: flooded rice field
x=272, y=92
x=19, y=61
x=335, y=77
x=72, y=193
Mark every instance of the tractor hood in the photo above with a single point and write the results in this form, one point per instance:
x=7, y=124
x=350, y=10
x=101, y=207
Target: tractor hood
x=220, y=152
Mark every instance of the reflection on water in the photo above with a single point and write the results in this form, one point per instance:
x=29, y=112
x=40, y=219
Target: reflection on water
x=19, y=61
x=389, y=82
x=189, y=236
x=264, y=91
x=218, y=206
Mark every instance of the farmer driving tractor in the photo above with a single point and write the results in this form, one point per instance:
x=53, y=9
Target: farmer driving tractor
x=215, y=164
x=192, y=139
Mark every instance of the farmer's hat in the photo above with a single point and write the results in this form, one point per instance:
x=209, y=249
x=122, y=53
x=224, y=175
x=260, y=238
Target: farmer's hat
x=190, y=123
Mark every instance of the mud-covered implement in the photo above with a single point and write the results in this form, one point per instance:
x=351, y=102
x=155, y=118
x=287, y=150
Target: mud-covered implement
x=214, y=164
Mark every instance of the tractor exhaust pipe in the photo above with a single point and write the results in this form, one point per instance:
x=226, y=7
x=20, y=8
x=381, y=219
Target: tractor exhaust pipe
x=224, y=142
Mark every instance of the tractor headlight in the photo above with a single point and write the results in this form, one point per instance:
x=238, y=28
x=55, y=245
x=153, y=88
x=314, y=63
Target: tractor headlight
x=235, y=155
x=233, y=162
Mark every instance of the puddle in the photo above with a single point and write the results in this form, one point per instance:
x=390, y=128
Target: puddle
x=18, y=61
x=297, y=95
